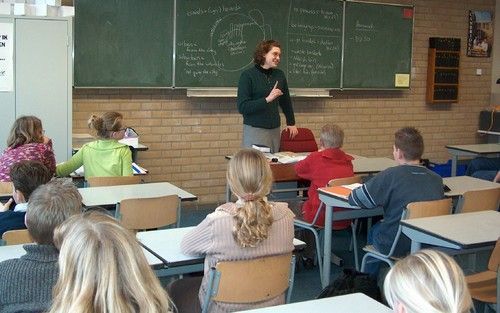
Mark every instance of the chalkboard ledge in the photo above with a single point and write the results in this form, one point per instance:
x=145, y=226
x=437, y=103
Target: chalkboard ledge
x=232, y=92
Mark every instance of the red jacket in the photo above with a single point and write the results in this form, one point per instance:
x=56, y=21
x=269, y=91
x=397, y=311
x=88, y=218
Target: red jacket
x=320, y=167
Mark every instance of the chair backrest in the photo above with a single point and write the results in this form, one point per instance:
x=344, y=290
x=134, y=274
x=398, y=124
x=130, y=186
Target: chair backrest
x=5, y=188
x=147, y=213
x=480, y=200
x=113, y=181
x=494, y=261
x=248, y=281
x=344, y=181
x=304, y=141
x=428, y=208
x=422, y=209
x=16, y=237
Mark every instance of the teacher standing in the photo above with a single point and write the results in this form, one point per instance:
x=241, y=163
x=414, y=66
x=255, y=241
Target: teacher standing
x=261, y=89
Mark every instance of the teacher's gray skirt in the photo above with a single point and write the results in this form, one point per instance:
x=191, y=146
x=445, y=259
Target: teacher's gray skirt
x=261, y=136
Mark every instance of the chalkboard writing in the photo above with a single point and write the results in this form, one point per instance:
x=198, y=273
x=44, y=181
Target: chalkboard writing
x=221, y=47
x=378, y=41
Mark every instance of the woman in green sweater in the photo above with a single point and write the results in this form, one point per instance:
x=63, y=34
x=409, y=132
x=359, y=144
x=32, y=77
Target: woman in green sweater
x=261, y=89
x=104, y=156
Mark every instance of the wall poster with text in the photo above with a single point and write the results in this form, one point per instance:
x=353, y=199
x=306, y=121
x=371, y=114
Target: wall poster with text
x=6, y=56
x=480, y=41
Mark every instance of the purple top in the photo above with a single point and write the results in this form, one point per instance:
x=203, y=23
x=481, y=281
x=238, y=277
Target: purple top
x=34, y=151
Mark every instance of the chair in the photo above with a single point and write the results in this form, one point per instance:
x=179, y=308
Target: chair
x=148, y=213
x=16, y=237
x=484, y=286
x=113, y=181
x=314, y=228
x=479, y=200
x=413, y=210
x=5, y=188
x=249, y=281
x=304, y=141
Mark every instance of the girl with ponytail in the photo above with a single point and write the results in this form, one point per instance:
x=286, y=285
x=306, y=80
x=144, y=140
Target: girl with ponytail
x=252, y=227
x=104, y=156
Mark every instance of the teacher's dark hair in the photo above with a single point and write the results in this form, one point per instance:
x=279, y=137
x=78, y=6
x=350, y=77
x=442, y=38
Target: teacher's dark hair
x=262, y=49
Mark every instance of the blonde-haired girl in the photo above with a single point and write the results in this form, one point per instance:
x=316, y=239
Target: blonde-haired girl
x=104, y=156
x=427, y=281
x=250, y=228
x=103, y=269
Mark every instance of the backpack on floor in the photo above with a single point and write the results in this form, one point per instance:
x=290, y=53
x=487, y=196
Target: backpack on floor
x=352, y=281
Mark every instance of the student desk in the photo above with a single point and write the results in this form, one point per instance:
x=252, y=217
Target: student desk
x=352, y=303
x=111, y=195
x=17, y=251
x=457, y=151
x=355, y=212
x=455, y=231
x=460, y=184
x=165, y=244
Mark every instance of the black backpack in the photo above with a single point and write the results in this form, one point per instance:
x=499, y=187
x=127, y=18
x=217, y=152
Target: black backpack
x=352, y=281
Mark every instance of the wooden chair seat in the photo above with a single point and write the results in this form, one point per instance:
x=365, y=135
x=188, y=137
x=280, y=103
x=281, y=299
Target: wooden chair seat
x=371, y=249
x=481, y=278
x=485, y=293
x=113, y=181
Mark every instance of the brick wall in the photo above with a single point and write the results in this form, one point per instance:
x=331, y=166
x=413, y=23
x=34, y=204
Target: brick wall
x=188, y=137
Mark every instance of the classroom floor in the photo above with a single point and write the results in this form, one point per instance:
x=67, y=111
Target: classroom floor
x=307, y=283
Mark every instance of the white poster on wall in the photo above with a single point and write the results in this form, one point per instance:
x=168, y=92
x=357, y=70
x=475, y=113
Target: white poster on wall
x=6, y=56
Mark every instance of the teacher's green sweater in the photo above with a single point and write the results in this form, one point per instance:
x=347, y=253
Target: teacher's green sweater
x=253, y=88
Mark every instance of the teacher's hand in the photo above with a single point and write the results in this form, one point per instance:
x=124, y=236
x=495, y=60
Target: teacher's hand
x=292, y=130
x=275, y=93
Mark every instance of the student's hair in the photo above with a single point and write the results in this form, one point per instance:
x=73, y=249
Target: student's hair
x=410, y=142
x=49, y=206
x=332, y=136
x=104, y=125
x=27, y=175
x=250, y=178
x=428, y=281
x=26, y=129
x=103, y=269
x=262, y=49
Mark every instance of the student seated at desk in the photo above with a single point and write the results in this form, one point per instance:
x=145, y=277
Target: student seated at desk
x=105, y=156
x=484, y=168
x=26, y=176
x=26, y=283
x=26, y=141
x=427, y=281
x=103, y=269
x=250, y=228
x=394, y=188
x=320, y=167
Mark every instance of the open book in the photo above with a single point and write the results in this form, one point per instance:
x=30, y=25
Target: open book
x=343, y=191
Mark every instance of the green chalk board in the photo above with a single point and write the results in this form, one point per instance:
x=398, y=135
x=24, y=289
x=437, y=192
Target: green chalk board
x=216, y=40
x=123, y=43
x=377, y=46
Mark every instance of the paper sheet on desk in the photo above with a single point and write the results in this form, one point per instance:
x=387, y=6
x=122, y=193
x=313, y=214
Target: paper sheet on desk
x=286, y=157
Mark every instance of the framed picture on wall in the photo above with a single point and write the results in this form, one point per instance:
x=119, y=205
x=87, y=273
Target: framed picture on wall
x=480, y=41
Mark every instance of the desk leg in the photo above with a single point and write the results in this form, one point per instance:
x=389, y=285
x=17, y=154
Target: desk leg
x=454, y=161
x=327, y=247
x=415, y=246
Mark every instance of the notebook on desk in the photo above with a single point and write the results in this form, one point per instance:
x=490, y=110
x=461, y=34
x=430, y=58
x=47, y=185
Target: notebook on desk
x=341, y=192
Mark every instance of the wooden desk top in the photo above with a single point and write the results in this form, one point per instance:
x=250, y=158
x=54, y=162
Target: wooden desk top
x=111, y=195
x=460, y=184
x=467, y=230
x=484, y=148
x=352, y=303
